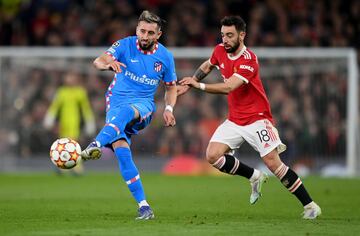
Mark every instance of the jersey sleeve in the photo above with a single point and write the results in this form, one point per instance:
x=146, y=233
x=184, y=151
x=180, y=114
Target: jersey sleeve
x=246, y=69
x=169, y=73
x=214, y=57
x=116, y=50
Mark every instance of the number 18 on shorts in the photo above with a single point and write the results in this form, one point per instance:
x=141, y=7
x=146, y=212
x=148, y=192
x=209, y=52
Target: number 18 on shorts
x=261, y=135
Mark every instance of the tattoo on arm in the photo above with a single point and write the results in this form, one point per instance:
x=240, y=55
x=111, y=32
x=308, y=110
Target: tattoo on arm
x=200, y=74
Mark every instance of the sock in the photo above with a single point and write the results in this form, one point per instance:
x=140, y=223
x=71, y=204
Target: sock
x=116, y=125
x=231, y=165
x=130, y=173
x=143, y=203
x=293, y=183
x=106, y=134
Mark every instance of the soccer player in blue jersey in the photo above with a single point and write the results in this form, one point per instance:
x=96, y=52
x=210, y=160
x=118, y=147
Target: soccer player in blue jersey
x=140, y=63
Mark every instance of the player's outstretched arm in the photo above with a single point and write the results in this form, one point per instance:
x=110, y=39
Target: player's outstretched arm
x=170, y=101
x=204, y=69
x=219, y=88
x=106, y=62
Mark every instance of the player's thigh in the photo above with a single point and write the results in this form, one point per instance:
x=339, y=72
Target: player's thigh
x=225, y=139
x=263, y=137
x=116, y=113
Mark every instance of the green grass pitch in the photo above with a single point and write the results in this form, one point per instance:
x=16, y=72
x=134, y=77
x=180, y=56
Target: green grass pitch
x=100, y=204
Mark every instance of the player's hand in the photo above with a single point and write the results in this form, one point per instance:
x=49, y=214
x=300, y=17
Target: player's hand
x=169, y=118
x=49, y=121
x=116, y=66
x=190, y=81
x=182, y=89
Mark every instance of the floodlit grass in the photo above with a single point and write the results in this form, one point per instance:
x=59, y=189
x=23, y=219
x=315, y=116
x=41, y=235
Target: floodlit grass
x=100, y=204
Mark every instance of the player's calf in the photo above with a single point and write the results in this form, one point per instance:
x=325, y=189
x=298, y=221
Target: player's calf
x=231, y=165
x=294, y=184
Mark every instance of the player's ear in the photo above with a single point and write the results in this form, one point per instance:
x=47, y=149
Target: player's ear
x=242, y=35
x=159, y=34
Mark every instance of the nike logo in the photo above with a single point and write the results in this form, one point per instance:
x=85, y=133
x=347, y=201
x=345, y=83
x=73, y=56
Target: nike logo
x=132, y=60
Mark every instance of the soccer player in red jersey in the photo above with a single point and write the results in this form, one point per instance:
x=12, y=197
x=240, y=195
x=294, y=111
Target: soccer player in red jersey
x=249, y=117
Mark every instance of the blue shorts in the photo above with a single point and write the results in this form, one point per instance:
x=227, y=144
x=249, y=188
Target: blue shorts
x=145, y=110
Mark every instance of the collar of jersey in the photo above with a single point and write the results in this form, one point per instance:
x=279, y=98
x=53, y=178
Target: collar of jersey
x=238, y=55
x=146, y=52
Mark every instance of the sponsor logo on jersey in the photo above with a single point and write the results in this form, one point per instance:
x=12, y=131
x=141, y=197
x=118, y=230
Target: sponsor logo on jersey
x=143, y=79
x=157, y=66
x=246, y=67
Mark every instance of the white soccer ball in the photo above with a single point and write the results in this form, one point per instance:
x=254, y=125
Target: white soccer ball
x=65, y=153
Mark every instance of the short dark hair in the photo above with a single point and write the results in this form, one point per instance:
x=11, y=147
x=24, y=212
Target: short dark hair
x=237, y=21
x=150, y=17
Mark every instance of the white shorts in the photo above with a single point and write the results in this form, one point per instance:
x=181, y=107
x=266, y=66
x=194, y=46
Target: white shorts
x=261, y=135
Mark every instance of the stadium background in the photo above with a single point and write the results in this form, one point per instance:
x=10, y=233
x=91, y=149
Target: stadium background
x=297, y=101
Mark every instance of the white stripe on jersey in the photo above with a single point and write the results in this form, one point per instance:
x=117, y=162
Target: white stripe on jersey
x=247, y=55
x=241, y=77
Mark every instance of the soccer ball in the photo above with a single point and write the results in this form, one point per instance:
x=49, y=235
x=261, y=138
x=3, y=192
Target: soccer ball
x=65, y=153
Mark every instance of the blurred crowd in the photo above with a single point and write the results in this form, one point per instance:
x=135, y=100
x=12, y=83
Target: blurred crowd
x=309, y=108
x=189, y=22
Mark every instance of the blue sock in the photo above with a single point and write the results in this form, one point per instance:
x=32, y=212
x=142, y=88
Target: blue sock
x=117, y=124
x=130, y=173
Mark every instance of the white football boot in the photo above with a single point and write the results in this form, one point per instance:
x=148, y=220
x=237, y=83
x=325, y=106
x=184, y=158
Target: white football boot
x=92, y=152
x=256, y=187
x=311, y=211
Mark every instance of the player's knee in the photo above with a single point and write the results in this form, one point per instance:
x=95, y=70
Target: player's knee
x=212, y=155
x=120, y=143
x=272, y=160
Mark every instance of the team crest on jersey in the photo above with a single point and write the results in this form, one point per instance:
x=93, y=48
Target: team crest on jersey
x=157, y=66
x=116, y=44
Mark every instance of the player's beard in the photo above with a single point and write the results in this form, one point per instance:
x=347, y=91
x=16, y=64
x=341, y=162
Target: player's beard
x=147, y=46
x=233, y=48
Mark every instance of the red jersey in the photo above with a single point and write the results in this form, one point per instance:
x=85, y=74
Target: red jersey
x=248, y=103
